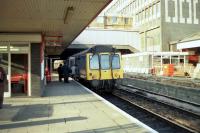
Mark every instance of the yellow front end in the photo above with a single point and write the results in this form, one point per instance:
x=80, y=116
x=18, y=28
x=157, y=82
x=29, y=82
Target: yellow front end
x=99, y=67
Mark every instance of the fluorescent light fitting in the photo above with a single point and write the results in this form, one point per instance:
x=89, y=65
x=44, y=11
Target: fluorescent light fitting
x=3, y=47
x=68, y=14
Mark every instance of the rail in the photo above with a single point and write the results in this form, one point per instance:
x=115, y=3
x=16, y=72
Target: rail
x=182, y=118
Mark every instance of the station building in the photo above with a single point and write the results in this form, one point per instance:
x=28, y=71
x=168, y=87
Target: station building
x=31, y=32
x=22, y=58
x=160, y=22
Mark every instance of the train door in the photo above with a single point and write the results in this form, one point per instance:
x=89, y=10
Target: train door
x=105, y=67
x=117, y=71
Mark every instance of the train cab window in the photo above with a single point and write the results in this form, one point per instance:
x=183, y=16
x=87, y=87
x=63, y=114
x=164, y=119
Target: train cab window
x=115, y=62
x=94, y=62
x=105, y=61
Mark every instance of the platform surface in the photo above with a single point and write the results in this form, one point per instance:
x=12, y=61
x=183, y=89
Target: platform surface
x=66, y=108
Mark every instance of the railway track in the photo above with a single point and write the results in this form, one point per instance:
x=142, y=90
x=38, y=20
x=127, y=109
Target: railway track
x=160, y=116
x=175, y=119
x=178, y=103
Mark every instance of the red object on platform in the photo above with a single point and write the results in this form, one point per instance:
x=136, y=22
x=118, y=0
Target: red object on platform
x=15, y=79
x=48, y=75
x=25, y=77
x=168, y=70
x=153, y=71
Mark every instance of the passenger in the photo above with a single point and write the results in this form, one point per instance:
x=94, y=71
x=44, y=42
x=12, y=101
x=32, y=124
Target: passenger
x=2, y=79
x=76, y=72
x=73, y=69
x=65, y=70
x=60, y=72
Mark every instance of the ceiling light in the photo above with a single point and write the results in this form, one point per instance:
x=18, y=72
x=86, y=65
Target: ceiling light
x=68, y=14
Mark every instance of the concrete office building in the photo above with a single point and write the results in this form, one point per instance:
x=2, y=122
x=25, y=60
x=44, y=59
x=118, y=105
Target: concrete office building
x=160, y=22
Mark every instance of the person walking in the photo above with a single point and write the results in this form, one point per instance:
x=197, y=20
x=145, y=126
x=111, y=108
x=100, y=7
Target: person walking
x=65, y=69
x=60, y=73
x=2, y=79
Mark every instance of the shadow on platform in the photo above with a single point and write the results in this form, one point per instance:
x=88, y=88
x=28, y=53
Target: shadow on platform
x=41, y=122
x=25, y=112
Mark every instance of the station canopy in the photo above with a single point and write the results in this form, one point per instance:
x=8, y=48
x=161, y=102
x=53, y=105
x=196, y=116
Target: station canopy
x=60, y=21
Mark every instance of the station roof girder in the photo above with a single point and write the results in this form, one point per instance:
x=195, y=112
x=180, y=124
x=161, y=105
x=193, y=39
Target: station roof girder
x=66, y=18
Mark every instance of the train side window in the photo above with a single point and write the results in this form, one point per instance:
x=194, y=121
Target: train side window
x=115, y=62
x=105, y=61
x=94, y=62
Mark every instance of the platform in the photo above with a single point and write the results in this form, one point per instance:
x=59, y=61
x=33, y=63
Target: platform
x=66, y=107
x=179, y=88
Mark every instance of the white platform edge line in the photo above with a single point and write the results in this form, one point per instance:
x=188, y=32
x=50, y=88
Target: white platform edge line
x=132, y=119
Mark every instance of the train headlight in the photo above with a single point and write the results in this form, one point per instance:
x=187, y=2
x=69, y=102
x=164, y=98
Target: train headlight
x=116, y=75
x=94, y=77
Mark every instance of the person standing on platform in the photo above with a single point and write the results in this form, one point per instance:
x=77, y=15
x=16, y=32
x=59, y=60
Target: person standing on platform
x=73, y=73
x=2, y=78
x=60, y=72
x=65, y=69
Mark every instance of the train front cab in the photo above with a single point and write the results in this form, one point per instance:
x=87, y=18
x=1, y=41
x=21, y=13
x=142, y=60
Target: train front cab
x=104, y=68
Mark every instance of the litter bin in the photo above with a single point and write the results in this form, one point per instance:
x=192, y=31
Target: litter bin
x=2, y=77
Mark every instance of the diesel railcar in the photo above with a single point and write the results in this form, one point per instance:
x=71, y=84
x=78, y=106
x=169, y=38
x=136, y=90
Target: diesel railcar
x=100, y=66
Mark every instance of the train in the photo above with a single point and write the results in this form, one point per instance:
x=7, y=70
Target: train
x=99, y=66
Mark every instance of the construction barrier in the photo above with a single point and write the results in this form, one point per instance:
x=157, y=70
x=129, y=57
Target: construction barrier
x=168, y=70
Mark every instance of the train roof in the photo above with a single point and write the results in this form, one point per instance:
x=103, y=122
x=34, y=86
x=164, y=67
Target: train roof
x=98, y=49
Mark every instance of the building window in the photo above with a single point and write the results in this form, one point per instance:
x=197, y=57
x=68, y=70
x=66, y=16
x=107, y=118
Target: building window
x=150, y=12
x=154, y=11
x=126, y=20
x=19, y=48
x=146, y=15
x=139, y=18
x=114, y=19
x=158, y=9
x=136, y=20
